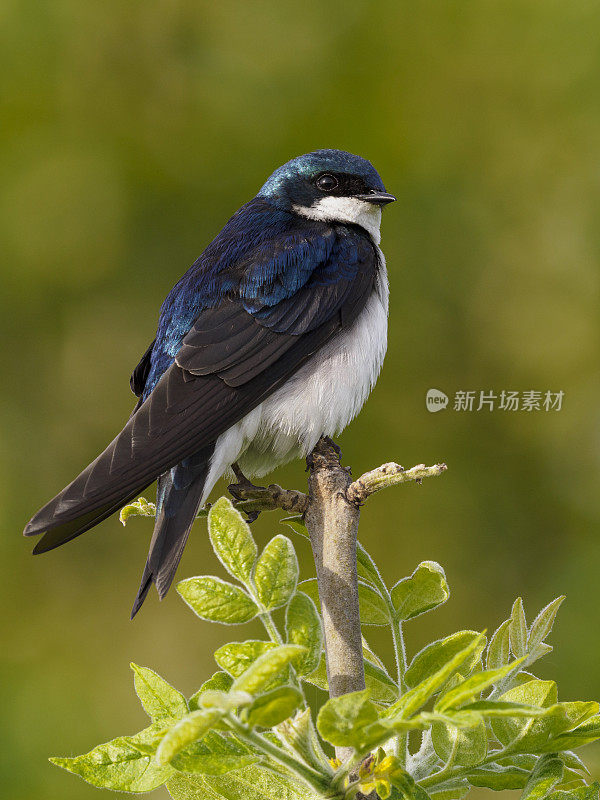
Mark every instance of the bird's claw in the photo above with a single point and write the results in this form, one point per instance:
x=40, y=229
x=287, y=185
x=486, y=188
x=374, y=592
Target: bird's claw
x=334, y=445
x=244, y=489
x=327, y=440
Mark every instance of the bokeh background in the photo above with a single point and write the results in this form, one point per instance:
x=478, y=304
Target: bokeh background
x=130, y=132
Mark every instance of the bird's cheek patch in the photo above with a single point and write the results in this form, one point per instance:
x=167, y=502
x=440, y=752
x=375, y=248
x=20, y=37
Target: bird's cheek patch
x=345, y=209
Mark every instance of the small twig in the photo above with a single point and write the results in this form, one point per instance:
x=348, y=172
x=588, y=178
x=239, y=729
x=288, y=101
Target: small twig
x=388, y=475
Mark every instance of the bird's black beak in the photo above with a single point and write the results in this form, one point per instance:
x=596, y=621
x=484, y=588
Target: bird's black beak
x=377, y=198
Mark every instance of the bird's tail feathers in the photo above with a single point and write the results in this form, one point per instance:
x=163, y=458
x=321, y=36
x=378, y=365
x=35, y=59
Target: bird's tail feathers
x=177, y=507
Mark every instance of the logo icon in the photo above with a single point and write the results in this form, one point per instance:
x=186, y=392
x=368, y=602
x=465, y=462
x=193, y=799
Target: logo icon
x=435, y=400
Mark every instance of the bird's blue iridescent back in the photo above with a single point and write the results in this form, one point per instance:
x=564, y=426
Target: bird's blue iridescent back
x=263, y=257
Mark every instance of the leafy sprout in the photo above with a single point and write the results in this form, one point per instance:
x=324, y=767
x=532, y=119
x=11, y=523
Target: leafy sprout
x=482, y=718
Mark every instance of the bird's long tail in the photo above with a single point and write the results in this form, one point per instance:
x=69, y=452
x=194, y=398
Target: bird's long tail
x=179, y=496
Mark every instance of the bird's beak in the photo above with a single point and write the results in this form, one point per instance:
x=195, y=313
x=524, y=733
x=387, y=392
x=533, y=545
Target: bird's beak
x=377, y=198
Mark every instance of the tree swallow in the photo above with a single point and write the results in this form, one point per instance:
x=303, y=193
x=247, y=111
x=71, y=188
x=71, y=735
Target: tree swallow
x=274, y=337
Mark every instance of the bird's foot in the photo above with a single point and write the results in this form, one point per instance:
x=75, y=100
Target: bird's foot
x=328, y=440
x=244, y=489
x=323, y=449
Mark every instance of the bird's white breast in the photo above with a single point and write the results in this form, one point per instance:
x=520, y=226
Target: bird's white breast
x=320, y=399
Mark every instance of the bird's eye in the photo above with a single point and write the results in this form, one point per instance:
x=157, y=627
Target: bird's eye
x=327, y=183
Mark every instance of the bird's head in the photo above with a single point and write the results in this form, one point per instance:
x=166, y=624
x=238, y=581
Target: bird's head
x=330, y=185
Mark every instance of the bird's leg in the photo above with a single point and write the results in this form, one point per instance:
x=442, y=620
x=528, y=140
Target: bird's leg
x=322, y=447
x=328, y=440
x=242, y=479
x=244, y=489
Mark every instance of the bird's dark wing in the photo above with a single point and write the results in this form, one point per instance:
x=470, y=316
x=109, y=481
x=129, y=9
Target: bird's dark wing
x=235, y=356
x=140, y=373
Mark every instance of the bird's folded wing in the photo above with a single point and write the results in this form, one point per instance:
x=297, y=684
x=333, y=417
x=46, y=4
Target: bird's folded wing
x=232, y=359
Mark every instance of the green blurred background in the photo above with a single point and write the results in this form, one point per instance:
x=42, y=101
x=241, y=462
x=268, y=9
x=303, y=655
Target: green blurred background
x=130, y=132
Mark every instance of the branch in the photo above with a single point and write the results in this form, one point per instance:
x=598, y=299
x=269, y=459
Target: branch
x=389, y=475
x=332, y=523
x=253, y=499
x=249, y=499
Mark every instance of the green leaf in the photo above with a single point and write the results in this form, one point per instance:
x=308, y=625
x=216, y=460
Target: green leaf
x=591, y=792
x=412, y=700
x=299, y=734
x=159, y=699
x=412, y=791
x=192, y=727
x=266, y=667
x=542, y=624
x=541, y=694
x=222, y=743
x=189, y=760
x=119, y=765
x=585, y=733
x=226, y=701
x=450, y=790
x=215, y=754
x=381, y=687
x=423, y=591
x=310, y=587
x=497, y=777
x=468, y=746
x=577, y=711
x=220, y=681
x=303, y=627
x=373, y=608
x=499, y=708
x=367, y=571
x=273, y=707
x=216, y=600
x=534, y=693
x=539, y=734
x=418, y=793
x=523, y=760
x=231, y=540
x=518, y=629
x=251, y=783
x=147, y=741
x=276, y=573
x=548, y=772
x=573, y=762
x=139, y=508
x=499, y=648
x=429, y=660
x=297, y=524
x=460, y=718
x=342, y=719
x=472, y=686
x=540, y=650
x=236, y=657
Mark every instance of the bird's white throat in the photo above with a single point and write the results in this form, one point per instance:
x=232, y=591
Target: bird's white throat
x=345, y=209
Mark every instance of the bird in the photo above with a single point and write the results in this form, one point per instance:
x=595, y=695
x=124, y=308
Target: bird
x=274, y=337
